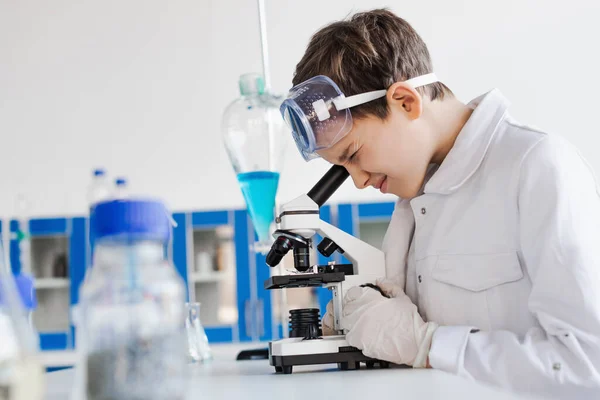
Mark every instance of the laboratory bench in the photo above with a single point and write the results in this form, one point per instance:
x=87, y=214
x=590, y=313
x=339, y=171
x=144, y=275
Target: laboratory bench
x=226, y=378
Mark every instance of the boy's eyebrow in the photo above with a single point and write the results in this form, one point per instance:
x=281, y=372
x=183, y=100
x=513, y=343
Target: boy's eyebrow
x=344, y=156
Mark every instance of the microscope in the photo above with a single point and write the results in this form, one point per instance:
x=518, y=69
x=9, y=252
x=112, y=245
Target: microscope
x=298, y=222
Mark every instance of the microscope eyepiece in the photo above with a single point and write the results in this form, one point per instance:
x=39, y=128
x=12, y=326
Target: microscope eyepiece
x=328, y=184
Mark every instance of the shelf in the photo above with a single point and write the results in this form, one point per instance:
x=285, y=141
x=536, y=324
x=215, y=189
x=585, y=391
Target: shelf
x=204, y=277
x=58, y=358
x=51, y=283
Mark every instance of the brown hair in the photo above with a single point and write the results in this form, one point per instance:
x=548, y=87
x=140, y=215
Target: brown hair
x=368, y=51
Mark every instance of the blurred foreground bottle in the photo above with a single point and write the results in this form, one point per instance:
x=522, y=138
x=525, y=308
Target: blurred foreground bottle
x=132, y=333
x=254, y=135
x=21, y=374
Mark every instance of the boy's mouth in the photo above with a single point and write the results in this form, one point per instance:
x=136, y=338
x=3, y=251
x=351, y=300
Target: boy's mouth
x=380, y=184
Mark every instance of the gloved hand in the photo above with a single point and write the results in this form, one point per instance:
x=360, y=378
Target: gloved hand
x=388, y=329
x=327, y=320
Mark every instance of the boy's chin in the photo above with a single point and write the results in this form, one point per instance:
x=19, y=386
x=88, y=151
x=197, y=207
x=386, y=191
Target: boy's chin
x=404, y=191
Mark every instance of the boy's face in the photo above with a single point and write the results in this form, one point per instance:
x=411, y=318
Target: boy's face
x=390, y=155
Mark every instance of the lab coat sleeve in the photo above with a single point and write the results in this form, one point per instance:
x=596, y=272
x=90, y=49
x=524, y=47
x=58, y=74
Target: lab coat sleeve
x=559, y=228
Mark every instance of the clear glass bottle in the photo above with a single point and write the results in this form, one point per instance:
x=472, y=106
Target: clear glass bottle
x=121, y=189
x=255, y=137
x=132, y=335
x=21, y=373
x=98, y=190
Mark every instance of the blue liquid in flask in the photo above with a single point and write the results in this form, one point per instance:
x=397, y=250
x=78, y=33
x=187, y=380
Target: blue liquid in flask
x=259, y=189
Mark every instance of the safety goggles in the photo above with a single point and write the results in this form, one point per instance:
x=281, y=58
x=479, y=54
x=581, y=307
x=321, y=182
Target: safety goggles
x=319, y=115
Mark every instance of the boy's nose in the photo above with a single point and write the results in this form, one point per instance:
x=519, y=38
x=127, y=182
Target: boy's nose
x=359, y=176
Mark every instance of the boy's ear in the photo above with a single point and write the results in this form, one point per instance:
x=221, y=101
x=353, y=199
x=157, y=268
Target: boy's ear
x=406, y=99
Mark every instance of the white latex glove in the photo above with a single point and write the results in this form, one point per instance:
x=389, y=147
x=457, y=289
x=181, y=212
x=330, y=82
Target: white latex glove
x=327, y=320
x=388, y=329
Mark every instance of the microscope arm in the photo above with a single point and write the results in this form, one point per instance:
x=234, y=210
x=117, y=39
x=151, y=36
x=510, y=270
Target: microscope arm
x=368, y=262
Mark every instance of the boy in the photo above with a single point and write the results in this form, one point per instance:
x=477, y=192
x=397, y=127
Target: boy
x=493, y=240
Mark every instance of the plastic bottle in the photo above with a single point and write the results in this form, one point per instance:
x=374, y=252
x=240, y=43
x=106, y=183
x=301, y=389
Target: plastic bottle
x=121, y=189
x=21, y=374
x=24, y=276
x=98, y=190
x=26, y=290
x=132, y=330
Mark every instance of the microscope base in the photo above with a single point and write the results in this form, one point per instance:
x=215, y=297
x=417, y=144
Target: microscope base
x=286, y=353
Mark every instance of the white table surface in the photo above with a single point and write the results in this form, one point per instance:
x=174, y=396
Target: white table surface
x=58, y=358
x=225, y=378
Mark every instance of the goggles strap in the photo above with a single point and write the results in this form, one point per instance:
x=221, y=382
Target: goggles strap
x=422, y=80
x=342, y=103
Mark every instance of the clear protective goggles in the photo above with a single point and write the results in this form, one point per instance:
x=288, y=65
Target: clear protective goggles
x=319, y=115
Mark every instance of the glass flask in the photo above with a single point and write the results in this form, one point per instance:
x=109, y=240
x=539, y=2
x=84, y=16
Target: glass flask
x=198, y=347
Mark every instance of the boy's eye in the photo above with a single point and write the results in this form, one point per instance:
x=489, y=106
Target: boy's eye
x=353, y=157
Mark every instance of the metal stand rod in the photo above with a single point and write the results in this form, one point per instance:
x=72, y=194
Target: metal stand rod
x=262, y=20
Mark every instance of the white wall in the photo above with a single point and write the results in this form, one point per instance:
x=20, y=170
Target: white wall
x=138, y=86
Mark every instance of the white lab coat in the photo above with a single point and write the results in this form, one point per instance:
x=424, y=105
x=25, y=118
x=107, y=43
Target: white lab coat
x=506, y=239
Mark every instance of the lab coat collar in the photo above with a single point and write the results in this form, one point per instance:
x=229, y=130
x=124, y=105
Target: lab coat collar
x=471, y=144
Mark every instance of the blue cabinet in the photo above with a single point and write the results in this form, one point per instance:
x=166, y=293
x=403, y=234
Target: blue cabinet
x=366, y=221
x=356, y=219
x=57, y=262
x=211, y=253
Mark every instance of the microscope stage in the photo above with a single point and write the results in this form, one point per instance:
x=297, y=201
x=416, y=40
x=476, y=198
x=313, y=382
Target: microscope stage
x=285, y=353
x=303, y=280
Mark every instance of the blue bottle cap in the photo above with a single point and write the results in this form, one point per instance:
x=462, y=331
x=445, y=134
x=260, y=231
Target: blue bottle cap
x=26, y=291
x=120, y=181
x=131, y=219
x=99, y=172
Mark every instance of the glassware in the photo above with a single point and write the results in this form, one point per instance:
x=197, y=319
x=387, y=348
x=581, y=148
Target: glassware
x=21, y=373
x=132, y=339
x=199, y=349
x=255, y=135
